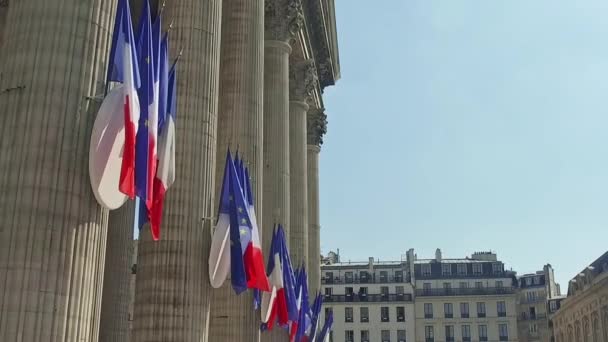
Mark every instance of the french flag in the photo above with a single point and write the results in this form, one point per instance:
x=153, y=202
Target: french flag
x=154, y=113
x=274, y=303
x=253, y=257
x=145, y=51
x=123, y=68
x=165, y=173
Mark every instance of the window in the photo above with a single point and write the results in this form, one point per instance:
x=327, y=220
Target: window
x=328, y=311
x=328, y=291
x=447, y=287
x=553, y=305
x=384, y=292
x=401, y=335
x=533, y=328
x=348, y=277
x=429, y=333
x=477, y=269
x=449, y=333
x=428, y=310
x=481, y=309
x=426, y=287
x=478, y=285
x=499, y=284
x=448, y=310
x=364, y=277
x=400, y=314
x=446, y=269
x=385, y=335
x=464, y=285
x=497, y=267
x=503, y=332
x=426, y=270
x=466, y=332
x=349, y=293
x=329, y=277
x=363, y=294
x=464, y=310
x=399, y=290
x=383, y=276
x=331, y=336
x=364, y=314
x=348, y=314
x=398, y=276
x=483, y=332
x=462, y=269
x=528, y=281
x=384, y=317
x=531, y=296
x=349, y=336
x=364, y=335
x=501, y=308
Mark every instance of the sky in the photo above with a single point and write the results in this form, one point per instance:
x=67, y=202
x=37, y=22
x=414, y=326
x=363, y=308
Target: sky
x=469, y=126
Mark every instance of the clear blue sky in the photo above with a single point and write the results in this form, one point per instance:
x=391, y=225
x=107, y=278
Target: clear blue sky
x=469, y=125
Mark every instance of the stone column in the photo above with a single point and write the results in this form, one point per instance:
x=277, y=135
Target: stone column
x=240, y=127
x=52, y=231
x=172, y=296
x=283, y=20
x=3, y=13
x=301, y=85
x=317, y=126
x=116, y=298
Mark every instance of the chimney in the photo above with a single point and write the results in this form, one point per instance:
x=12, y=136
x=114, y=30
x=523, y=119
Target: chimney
x=438, y=255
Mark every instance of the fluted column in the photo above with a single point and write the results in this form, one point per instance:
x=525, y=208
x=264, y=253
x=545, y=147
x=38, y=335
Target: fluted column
x=52, y=231
x=240, y=127
x=172, y=296
x=116, y=298
x=3, y=13
x=317, y=126
x=301, y=85
x=283, y=20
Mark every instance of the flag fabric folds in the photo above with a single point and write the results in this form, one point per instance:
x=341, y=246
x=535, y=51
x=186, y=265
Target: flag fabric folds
x=303, y=324
x=123, y=68
x=329, y=321
x=165, y=172
x=146, y=99
x=315, y=315
x=236, y=221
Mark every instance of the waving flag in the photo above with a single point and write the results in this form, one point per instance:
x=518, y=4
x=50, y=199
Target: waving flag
x=165, y=173
x=329, y=321
x=315, y=315
x=304, y=320
x=219, y=255
x=123, y=68
x=289, y=280
x=154, y=112
x=274, y=302
x=146, y=98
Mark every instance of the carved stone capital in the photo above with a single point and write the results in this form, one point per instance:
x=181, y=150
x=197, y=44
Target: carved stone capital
x=316, y=126
x=283, y=19
x=302, y=80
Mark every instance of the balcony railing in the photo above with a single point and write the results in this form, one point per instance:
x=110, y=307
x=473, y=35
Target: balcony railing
x=373, y=298
x=524, y=316
x=533, y=300
x=484, y=291
x=363, y=280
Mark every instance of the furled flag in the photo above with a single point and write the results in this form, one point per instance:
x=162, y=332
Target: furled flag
x=123, y=68
x=289, y=280
x=274, y=304
x=146, y=98
x=304, y=320
x=315, y=315
x=219, y=254
x=165, y=173
x=254, y=259
x=329, y=321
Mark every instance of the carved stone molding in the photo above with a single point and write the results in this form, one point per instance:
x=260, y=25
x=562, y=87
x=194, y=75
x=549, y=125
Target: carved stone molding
x=302, y=80
x=283, y=19
x=317, y=126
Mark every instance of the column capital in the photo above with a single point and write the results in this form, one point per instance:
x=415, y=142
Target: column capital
x=317, y=126
x=302, y=79
x=283, y=19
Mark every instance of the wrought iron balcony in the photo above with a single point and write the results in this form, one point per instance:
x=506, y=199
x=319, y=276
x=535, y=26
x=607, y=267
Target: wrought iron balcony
x=363, y=280
x=370, y=298
x=484, y=291
x=525, y=316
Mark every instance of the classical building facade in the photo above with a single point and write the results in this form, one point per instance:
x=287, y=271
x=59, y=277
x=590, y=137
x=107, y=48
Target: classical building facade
x=583, y=315
x=251, y=77
x=535, y=294
x=371, y=301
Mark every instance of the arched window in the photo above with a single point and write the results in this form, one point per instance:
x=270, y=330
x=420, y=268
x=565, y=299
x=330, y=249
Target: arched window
x=586, y=330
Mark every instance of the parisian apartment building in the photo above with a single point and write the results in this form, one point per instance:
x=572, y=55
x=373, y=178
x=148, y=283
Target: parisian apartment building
x=438, y=299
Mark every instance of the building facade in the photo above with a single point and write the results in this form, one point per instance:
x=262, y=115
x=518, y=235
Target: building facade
x=533, y=300
x=583, y=315
x=370, y=301
x=468, y=299
x=251, y=77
